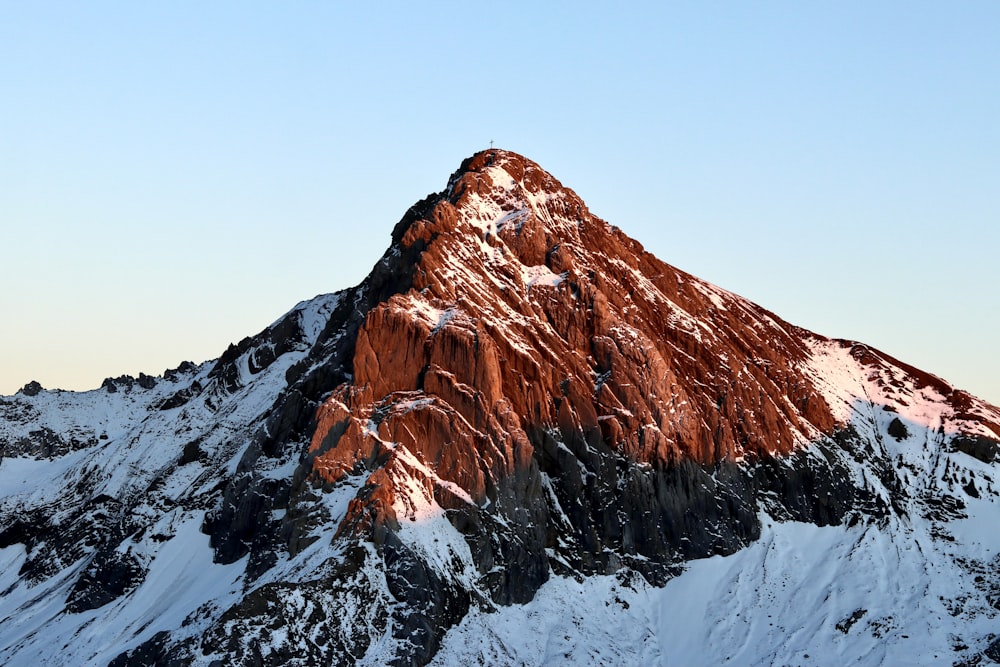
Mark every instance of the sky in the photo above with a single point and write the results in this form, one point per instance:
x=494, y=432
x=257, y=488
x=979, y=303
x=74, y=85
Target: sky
x=175, y=176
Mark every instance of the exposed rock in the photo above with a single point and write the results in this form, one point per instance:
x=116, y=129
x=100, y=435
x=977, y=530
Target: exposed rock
x=580, y=342
x=181, y=397
x=174, y=374
x=110, y=575
x=898, y=430
x=124, y=382
x=846, y=624
x=993, y=651
x=152, y=653
x=44, y=443
x=517, y=392
x=33, y=388
x=191, y=453
x=984, y=449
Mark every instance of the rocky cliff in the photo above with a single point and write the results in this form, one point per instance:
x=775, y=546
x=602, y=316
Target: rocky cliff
x=517, y=397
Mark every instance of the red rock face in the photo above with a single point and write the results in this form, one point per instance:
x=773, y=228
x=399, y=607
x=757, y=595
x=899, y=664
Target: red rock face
x=527, y=313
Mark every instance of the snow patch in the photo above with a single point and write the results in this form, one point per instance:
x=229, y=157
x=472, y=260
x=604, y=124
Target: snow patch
x=541, y=275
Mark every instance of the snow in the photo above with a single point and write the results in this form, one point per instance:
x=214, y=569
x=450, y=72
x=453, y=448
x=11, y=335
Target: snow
x=540, y=275
x=128, y=450
x=501, y=178
x=898, y=590
x=21, y=477
x=180, y=577
x=315, y=313
x=415, y=501
x=424, y=310
x=425, y=528
x=912, y=589
x=716, y=295
x=777, y=602
x=850, y=388
x=515, y=219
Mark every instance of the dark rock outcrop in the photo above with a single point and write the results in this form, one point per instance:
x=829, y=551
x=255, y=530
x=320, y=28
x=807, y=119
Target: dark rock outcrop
x=110, y=575
x=33, y=388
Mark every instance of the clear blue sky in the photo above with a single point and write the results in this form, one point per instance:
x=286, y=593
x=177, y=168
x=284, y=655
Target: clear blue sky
x=176, y=175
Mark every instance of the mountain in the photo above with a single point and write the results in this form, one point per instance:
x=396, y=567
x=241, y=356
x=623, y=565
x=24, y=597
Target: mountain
x=521, y=440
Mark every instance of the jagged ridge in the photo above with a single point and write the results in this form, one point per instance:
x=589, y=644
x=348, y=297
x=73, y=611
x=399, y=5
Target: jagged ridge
x=518, y=391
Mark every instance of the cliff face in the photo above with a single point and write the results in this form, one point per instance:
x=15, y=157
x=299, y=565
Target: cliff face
x=543, y=370
x=518, y=392
x=523, y=302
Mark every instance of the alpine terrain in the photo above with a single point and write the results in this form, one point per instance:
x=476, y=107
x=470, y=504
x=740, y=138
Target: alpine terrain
x=522, y=440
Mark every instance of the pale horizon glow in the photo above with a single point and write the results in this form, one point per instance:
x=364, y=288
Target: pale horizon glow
x=176, y=176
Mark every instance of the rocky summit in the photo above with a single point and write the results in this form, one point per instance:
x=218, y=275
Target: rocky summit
x=522, y=440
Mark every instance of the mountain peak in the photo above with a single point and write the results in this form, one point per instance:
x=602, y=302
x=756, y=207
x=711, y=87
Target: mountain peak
x=524, y=309
x=517, y=399
x=505, y=169
x=494, y=189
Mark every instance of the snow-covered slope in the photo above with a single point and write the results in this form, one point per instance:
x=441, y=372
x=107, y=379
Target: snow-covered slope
x=103, y=499
x=522, y=440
